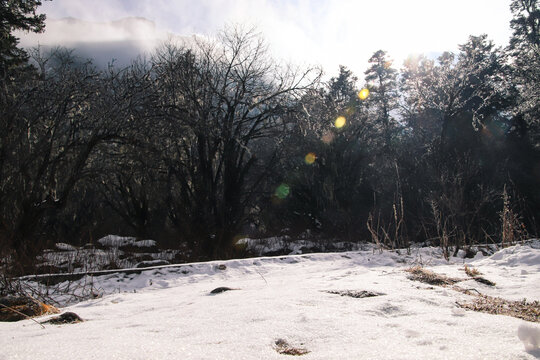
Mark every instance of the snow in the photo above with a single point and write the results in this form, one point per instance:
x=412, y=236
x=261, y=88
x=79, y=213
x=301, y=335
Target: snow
x=116, y=241
x=145, y=243
x=530, y=336
x=285, y=245
x=167, y=312
x=64, y=247
x=115, y=252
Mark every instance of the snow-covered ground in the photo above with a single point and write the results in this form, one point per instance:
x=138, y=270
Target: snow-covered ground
x=169, y=313
x=112, y=252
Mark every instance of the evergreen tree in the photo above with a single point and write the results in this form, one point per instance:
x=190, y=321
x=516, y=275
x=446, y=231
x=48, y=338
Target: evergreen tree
x=16, y=15
x=382, y=84
x=524, y=50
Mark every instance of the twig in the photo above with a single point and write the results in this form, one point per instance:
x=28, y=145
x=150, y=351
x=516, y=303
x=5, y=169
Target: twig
x=20, y=313
x=466, y=291
x=261, y=276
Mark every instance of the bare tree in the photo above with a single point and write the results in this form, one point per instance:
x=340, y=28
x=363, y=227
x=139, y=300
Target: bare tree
x=222, y=99
x=52, y=128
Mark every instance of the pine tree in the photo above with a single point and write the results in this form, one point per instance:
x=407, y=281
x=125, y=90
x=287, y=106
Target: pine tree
x=382, y=85
x=16, y=15
x=524, y=51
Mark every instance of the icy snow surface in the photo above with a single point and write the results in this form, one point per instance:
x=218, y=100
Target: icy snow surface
x=169, y=313
x=119, y=241
x=116, y=241
x=64, y=247
x=145, y=243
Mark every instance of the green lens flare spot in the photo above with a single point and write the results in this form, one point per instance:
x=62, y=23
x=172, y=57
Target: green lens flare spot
x=283, y=191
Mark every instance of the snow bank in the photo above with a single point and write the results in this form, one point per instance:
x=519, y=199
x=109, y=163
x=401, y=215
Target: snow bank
x=115, y=241
x=168, y=313
x=145, y=243
x=65, y=247
x=516, y=256
x=530, y=336
x=284, y=245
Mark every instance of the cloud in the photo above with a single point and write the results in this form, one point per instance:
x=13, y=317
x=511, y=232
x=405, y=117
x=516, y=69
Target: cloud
x=324, y=32
x=120, y=40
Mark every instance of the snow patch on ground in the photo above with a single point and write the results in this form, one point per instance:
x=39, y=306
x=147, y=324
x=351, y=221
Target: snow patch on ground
x=285, y=245
x=530, y=336
x=64, y=247
x=116, y=241
x=145, y=243
x=167, y=312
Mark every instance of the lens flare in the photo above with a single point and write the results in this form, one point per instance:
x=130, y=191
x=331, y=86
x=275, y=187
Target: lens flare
x=328, y=137
x=486, y=132
x=282, y=191
x=310, y=158
x=363, y=94
x=340, y=122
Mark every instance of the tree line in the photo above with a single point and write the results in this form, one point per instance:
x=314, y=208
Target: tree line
x=203, y=144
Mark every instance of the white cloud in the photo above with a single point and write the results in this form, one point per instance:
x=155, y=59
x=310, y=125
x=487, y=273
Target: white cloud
x=326, y=32
x=71, y=30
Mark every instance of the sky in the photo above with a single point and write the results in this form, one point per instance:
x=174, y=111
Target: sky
x=327, y=33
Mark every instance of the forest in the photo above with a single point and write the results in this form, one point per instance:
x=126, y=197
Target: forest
x=202, y=144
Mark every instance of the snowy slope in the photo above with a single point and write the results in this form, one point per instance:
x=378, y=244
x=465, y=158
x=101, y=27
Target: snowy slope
x=169, y=313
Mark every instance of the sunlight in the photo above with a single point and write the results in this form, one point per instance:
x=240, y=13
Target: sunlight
x=310, y=158
x=363, y=94
x=340, y=122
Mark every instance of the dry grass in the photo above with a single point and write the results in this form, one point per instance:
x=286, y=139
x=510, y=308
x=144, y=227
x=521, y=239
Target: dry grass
x=284, y=348
x=354, y=293
x=529, y=311
x=418, y=273
x=472, y=272
x=475, y=274
x=20, y=308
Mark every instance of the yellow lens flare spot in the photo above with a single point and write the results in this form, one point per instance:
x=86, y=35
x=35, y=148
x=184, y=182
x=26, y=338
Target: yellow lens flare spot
x=340, y=122
x=363, y=94
x=310, y=158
